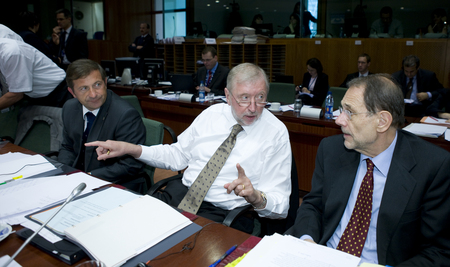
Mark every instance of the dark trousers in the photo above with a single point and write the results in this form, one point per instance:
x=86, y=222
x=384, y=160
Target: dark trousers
x=56, y=98
x=175, y=192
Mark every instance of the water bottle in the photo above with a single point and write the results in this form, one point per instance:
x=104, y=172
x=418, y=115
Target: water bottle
x=341, y=34
x=201, y=93
x=329, y=103
x=298, y=105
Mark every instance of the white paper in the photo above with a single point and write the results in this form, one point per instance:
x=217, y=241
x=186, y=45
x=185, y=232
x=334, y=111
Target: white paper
x=311, y=112
x=281, y=251
x=6, y=258
x=447, y=135
x=434, y=120
x=122, y=229
x=426, y=130
x=85, y=208
x=24, y=168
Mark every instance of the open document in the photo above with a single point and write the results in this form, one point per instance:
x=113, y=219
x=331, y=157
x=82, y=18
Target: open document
x=117, y=235
x=279, y=251
x=425, y=130
x=23, y=167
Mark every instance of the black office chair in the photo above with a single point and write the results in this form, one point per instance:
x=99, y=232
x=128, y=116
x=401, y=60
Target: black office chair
x=266, y=226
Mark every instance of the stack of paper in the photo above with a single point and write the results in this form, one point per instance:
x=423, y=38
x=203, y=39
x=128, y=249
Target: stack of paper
x=239, y=33
x=117, y=235
x=278, y=250
x=255, y=39
x=426, y=130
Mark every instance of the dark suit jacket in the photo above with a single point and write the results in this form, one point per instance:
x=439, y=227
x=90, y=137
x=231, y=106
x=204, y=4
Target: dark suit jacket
x=148, y=49
x=34, y=40
x=76, y=45
x=320, y=89
x=414, y=215
x=218, y=82
x=350, y=77
x=426, y=82
x=116, y=120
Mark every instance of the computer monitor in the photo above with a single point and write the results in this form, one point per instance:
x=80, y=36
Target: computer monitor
x=264, y=29
x=128, y=62
x=153, y=70
x=110, y=68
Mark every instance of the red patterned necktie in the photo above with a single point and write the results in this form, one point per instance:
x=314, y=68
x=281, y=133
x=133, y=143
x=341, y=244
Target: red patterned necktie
x=209, y=78
x=353, y=239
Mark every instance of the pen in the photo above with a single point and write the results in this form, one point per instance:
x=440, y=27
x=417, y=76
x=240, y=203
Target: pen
x=223, y=256
x=433, y=118
x=13, y=179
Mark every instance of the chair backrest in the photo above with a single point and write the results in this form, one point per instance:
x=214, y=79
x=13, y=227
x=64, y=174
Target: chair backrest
x=282, y=92
x=154, y=136
x=40, y=129
x=338, y=94
x=134, y=101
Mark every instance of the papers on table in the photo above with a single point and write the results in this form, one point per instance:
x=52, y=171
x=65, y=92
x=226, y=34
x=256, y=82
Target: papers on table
x=426, y=130
x=84, y=208
x=26, y=196
x=117, y=235
x=15, y=166
x=278, y=250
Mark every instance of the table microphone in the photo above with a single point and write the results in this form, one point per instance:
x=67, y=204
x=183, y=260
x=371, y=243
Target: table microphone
x=72, y=195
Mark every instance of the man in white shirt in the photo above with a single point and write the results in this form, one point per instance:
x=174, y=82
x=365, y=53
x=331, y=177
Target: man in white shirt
x=258, y=168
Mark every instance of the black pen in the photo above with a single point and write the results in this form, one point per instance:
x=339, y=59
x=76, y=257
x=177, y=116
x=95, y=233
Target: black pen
x=223, y=256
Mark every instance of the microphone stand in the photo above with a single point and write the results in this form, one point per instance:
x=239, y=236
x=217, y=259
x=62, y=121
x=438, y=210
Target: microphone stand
x=72, y=195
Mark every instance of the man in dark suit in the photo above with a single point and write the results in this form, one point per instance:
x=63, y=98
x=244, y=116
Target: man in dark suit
x=213, y=75
x=144, y=45
x=420, y=86
x=68, y=43
x=99, y=114
x=408, y=207
x=363, y=69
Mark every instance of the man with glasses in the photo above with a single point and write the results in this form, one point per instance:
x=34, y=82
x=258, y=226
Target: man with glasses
x=213, y=75
x=378, y=183
x=257, y=170
x=363, y=69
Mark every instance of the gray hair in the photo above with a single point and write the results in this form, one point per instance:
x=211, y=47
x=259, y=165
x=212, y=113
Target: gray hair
x=247, y=73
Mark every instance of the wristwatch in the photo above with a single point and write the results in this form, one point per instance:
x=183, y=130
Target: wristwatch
x=264, y=202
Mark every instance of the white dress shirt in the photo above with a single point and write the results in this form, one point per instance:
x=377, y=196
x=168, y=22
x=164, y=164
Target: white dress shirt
x=262, y=149
x=27, y=70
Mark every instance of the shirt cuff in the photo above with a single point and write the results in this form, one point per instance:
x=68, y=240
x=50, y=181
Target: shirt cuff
x=304, y=237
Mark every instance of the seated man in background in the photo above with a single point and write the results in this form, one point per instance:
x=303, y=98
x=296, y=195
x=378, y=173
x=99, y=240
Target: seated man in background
x=144, y=45
x=261, y=148
x=405, y=220
x=213, y=75
x=99, y=114
x=419, y=86
x=363, y=69
x=386, y=25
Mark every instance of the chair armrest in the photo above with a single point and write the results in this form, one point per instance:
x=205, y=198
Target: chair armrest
x=234, y=214
x=172, y=133
x=157, y=186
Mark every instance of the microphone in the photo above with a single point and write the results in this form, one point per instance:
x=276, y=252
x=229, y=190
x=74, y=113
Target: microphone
x=72, y=195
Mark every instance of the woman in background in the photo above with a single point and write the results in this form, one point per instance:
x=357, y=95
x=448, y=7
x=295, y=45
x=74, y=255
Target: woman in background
x=257, y=19
x=315, y=84
x=439, y=22
x=294, y=25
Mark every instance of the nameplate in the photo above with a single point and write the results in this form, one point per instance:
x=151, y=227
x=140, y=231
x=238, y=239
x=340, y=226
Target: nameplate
x=210, y=41
x=178, y=39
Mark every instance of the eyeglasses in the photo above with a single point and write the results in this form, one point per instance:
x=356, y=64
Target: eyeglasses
x=207, y=60
x=348, y=114
x=245, y=101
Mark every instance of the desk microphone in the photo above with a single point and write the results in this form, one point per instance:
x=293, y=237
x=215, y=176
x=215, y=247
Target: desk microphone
x=72, y=195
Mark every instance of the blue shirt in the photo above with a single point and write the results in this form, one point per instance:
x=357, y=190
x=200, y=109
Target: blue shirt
x=382, y=163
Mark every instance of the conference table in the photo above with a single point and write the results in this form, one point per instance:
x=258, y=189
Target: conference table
x=305, y=133
x=212, y=241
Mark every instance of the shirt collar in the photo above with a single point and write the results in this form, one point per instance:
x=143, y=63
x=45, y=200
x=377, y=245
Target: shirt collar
x=85, y=110
x=69, y=29
x=383, y=160
x=213, y=70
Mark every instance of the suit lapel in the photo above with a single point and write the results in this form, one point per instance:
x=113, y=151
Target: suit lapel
x=341, y=188
x=398, y=189
x=97, y=127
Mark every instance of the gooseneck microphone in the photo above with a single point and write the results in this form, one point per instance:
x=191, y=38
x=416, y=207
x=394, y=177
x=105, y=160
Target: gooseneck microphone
x=72, y=195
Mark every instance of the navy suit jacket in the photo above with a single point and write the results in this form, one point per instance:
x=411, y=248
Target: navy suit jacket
x=116, y=120
x=76, y=45
x=218, y=82
x=350, y=77
x=414, y=215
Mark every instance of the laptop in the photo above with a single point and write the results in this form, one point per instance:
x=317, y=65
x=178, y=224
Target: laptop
x=183, y=83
